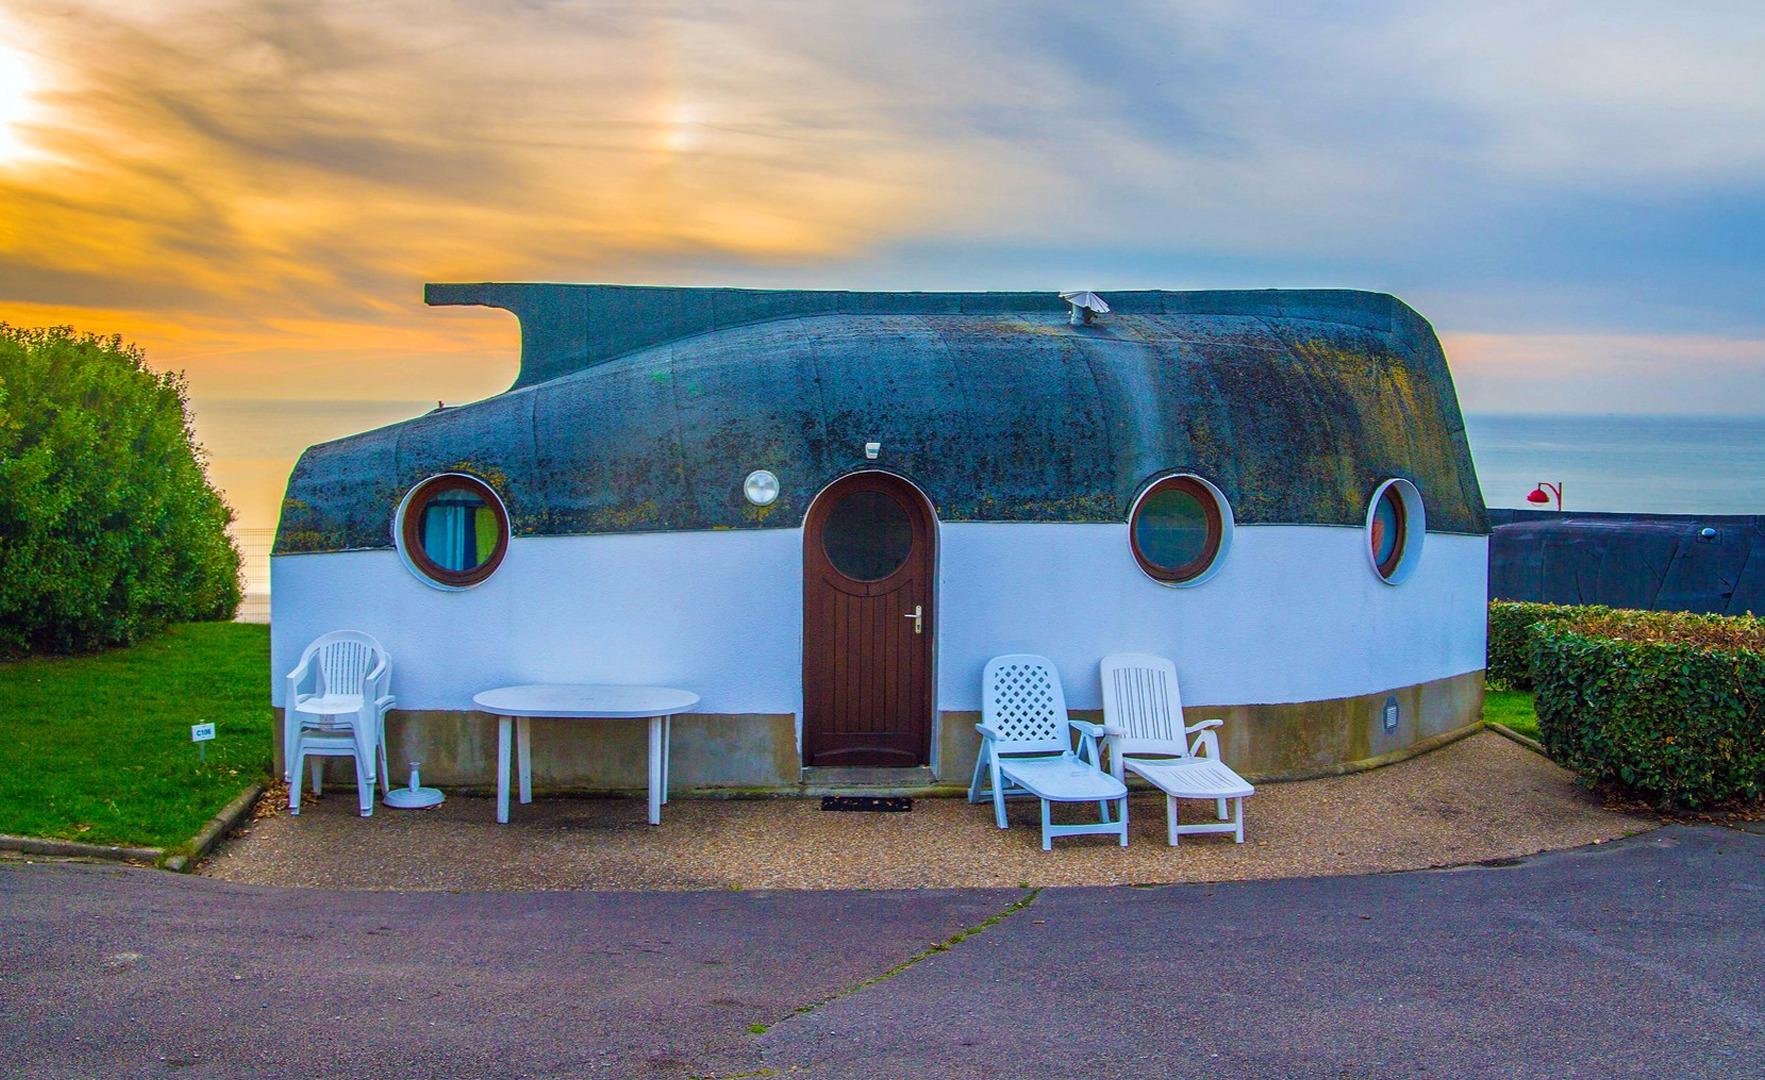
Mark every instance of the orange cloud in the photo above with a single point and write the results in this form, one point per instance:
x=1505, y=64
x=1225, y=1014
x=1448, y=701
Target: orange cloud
x=327, y=159
x=455, y=354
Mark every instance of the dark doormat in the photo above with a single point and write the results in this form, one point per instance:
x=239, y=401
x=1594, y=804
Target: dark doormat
x=873, y=804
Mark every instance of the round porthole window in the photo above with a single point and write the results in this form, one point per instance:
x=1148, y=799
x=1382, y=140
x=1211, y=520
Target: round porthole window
x=867, y=536
x=1396, y=524
x=452, y=530
x=1180, y=529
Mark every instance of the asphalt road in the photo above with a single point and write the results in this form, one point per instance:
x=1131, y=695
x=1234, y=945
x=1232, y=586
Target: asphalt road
x=1643, y=957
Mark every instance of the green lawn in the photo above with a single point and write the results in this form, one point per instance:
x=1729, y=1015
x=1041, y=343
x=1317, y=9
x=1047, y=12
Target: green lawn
x=97, y=748
x=1512, y=709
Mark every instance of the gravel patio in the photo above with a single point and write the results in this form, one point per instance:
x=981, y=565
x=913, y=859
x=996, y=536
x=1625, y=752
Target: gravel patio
x=1478, y=799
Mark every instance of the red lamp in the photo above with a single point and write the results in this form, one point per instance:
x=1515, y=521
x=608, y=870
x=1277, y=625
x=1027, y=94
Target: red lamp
x=1542, y=494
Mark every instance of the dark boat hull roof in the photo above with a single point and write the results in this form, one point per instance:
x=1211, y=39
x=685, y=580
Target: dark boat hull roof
x=1296, y=404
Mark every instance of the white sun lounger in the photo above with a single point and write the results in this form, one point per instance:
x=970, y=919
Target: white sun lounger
x=1144, y=733
x=1026, y=749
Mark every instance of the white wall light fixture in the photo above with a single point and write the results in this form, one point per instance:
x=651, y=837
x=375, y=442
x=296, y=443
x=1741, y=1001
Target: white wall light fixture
x=761, y=487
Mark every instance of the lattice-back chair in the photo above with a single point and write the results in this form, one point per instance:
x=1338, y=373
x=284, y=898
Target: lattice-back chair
x=335, y=706
x=1027, y=749
x=1143, y=731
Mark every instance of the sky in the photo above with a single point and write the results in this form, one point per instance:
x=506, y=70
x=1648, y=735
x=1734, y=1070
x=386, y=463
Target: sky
x=256, y=190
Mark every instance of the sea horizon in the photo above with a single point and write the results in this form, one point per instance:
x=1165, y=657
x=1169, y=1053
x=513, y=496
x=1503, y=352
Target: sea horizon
x=1638, y=463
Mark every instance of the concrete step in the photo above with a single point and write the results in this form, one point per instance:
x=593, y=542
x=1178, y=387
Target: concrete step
x=867, y=781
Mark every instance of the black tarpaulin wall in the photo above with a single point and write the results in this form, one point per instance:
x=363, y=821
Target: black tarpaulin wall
x=1659, y=562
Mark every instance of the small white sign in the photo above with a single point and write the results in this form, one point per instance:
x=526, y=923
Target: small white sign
x=201, y=732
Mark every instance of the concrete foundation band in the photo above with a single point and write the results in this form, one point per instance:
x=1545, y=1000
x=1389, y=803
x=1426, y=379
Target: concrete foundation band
x=757, y=753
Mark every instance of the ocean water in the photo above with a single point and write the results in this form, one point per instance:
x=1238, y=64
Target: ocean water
x=1627, y=463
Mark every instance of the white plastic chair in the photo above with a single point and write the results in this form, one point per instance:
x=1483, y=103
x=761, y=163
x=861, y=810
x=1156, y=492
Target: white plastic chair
x=1144, y=733
x=335, y=706
x=1026, y=749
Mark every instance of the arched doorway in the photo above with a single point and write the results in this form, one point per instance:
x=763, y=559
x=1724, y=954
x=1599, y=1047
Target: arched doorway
x=869, y=561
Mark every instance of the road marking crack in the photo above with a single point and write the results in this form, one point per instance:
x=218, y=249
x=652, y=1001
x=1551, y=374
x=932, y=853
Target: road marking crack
x=936, y=947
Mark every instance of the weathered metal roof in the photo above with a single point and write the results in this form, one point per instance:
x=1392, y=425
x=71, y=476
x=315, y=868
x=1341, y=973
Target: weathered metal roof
x=643, y=408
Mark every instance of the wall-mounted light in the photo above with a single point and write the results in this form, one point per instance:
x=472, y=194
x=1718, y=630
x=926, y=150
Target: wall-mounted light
x=872, y=449
x=761, y=487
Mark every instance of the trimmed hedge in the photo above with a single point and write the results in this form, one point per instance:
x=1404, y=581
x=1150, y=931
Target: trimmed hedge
x=1667, y=704
x=109, y=527
x=1509, y=664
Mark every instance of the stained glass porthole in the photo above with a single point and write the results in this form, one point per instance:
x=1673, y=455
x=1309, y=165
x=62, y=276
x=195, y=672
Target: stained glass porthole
x=1396, y=526
x=453, y=530
x=1386, y=532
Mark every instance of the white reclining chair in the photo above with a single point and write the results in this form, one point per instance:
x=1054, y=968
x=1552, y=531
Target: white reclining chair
x=1026, y=749
x=335, y=706
x=1144, y=733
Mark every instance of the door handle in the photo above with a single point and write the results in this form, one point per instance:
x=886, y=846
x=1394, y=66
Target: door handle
x=918, y=617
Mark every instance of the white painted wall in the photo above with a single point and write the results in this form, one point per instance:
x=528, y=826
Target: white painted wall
x=719, y=613
x=1295, y=614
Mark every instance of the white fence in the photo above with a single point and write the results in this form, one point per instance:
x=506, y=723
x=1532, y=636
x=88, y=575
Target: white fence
x=254, y=545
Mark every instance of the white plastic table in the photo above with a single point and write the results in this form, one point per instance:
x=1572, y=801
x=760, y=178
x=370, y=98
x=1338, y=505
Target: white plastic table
x=657, y=704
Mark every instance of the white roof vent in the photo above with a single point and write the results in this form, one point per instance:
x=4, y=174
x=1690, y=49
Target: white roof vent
x=1086, y=305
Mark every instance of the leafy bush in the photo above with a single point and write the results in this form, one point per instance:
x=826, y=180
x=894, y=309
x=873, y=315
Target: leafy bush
x=1670, y=705
x=109, y=528
x=1509, y=665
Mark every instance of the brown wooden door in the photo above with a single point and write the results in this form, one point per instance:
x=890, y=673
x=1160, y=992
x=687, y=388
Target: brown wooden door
x=868, y=563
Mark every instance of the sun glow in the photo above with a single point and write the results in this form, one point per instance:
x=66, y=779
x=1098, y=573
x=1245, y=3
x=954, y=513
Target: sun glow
x=18, y=103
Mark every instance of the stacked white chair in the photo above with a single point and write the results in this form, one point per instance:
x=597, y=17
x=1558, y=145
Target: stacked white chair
x=1144, y=733
x=336, y=704
x=1027, y=749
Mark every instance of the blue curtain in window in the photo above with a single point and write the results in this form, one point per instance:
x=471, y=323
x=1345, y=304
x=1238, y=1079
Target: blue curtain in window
x=450, y=528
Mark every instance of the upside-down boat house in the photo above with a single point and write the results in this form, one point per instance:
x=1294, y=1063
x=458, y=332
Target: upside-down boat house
x=824, y=511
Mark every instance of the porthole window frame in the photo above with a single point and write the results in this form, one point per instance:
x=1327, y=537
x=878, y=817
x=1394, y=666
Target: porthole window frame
x=1412, y=531
x=1220, y=528
x=417, y=561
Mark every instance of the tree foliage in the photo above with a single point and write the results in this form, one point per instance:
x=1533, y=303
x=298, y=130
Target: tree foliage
x=109, y=527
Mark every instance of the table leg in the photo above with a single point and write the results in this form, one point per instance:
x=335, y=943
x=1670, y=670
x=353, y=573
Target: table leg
x=502, y=770
x=667, y=752
x=655, y=770
x=524, y=757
